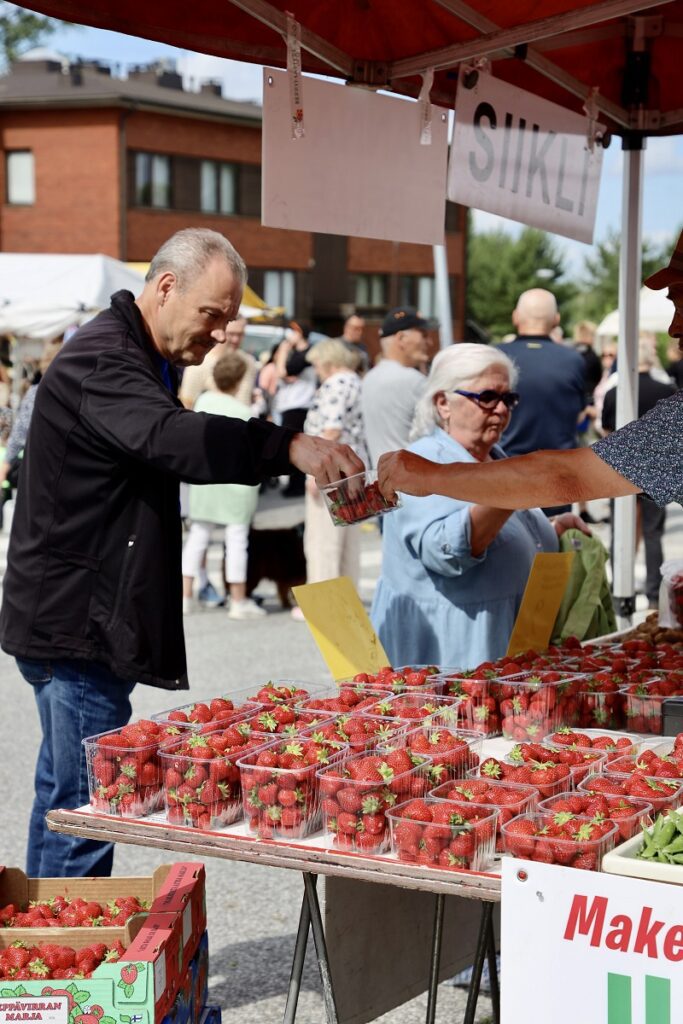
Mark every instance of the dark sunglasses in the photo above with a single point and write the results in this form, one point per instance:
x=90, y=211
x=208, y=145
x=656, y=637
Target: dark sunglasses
x=489, y=399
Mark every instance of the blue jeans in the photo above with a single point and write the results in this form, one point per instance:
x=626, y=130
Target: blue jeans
x=75, y=699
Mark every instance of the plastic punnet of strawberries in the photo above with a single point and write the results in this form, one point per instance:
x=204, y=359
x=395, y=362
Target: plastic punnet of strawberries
x=612, y=746
x=71, y=912
x=209, y=715
x=201, y=777
x=356, y=498
x=446, y=834
x=281, y=691
x=357, y=732
x=661, y=793
x=511, y=798
x=629, y=814
x=46, y=961
x=280, y=790
x=399, y=680
x=452, y=754
x=124, y=771
x=560, y=838
x=359, y=789
x=285, y=719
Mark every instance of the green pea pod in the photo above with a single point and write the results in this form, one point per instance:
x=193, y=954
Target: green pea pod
x=675, y=846
x=677, y=858
x=649, y=850
x=666, y=834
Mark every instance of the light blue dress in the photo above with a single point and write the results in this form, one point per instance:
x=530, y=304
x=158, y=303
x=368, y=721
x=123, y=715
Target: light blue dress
x=437, y=604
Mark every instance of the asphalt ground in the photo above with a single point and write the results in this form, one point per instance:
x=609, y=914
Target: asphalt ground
x=253, y=910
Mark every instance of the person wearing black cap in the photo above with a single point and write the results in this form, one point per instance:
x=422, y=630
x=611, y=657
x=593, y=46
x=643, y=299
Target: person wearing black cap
x=392, y=388
x=645, y=456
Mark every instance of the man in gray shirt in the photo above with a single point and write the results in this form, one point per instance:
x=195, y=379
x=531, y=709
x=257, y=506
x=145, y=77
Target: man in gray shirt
x=391, y=389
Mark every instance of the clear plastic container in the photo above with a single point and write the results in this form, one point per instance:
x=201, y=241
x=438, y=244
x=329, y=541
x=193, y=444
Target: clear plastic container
x=644, y=704
x=663, y=794
x=511, y=798
x=124, y=771
x=665, y=768
x=357, y=791
x=478, y=708
x=283, y=691
x=418, y=708
x=201, y=779
x=404, y=679
x=582, y=843
x=347, y=701
x=594, y=739
x=207, y=716
x=280, y=788
x=359, y=732
x=601, y=705
x=356, y=498
x=628, y=813
x=452, y=752
x=532, y=704
x=285, y=719
x=444, y=834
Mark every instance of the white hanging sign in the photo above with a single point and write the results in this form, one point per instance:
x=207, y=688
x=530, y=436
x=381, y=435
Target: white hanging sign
x=585, y=947
x=523, y=157
x=360, y=169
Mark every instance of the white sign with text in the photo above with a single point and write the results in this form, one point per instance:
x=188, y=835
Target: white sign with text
x=45, y=1009
x=523, y=157
x=359, y=170
x=583, y=947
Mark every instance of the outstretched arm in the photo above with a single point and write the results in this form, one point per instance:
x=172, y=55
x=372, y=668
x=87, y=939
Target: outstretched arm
x=541, y=479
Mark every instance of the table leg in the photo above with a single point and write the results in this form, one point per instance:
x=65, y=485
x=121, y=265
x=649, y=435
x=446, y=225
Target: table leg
x=493, y=972
x=320, y=948
x=436, y=958
x=478, y=965
x=297, y=963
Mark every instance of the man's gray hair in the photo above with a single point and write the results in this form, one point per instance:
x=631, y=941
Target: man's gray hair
x=187, y=253
x=456, y=367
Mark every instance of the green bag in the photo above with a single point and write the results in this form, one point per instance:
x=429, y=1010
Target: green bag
x=586, y=610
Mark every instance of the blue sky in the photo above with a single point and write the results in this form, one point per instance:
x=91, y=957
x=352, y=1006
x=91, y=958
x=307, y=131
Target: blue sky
x=663, y=182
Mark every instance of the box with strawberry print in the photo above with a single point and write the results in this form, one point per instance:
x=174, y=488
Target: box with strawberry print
x=477, y=709
x=356, y=498
x=358, y=790
x=124, y=770
x=452, y=752
x=49, y=959
x=629, y=814
x=511, y=798
x=594, y=739
x=201, y=778
x=280, y=787
x=532, y=704
x=663, y=794
x=644, y=702
x=206, y=716
x=400, y=680
x=444, y=833
x=557, y=839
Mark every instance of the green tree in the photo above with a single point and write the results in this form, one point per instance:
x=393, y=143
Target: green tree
x=501, y=267
x=598, y=292
x=20, y=30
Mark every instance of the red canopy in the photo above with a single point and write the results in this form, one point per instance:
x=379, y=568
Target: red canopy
x=560, y=49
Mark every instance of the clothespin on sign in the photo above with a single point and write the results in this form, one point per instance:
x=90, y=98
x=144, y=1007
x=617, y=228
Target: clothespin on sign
x=469, y=73
x=296, y=98
x=426, y=108
x=596, y=134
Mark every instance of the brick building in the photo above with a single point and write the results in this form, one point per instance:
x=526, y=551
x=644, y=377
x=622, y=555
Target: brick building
x=95, y=163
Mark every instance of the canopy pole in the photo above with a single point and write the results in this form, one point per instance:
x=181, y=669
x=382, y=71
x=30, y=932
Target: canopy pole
x=624, y=526
x=443, y=296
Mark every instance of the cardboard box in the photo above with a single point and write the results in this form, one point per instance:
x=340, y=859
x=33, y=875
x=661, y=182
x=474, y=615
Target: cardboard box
x=183, y=892
x=159, y=944
x=191, y=997
x=17, y=888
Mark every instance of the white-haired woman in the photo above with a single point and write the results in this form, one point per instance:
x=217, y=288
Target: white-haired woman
x=453, y=573
x=335, y=415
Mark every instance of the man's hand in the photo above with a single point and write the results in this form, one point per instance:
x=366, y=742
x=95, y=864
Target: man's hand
x=327, y=461
x=403, y=471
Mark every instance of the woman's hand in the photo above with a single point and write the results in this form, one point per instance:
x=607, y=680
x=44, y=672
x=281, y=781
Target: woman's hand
x=568, y=521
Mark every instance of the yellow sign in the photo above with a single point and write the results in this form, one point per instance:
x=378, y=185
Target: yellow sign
x=341, y=628
x=541, y=602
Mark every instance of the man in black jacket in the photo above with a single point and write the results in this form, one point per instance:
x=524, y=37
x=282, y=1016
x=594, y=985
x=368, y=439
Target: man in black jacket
x=92, y=598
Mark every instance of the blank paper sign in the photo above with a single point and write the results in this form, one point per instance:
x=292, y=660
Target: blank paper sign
x=360, y=169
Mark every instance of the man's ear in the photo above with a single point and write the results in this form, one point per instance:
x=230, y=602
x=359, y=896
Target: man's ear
x=166, y=283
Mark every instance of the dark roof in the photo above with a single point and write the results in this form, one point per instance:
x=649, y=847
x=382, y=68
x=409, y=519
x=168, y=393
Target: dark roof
x=44, y=84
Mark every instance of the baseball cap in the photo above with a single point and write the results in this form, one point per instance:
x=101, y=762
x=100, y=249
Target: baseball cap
x=403, y=318
x=669, y=275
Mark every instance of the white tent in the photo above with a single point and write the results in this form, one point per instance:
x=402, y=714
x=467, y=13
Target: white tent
x=43, y=294
x=656, y=313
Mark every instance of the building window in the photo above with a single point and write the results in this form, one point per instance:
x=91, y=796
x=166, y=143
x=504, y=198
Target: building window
x=419, y=292
x=21, y=180
x=217, y=187
x=152, y=185
x=279, y=289
x=371, y=290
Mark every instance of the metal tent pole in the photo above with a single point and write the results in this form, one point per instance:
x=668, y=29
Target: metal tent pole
x=624, y=525
x=443, y=296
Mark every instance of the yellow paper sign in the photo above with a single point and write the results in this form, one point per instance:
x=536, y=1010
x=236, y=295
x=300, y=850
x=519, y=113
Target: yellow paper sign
x=341, y=628
x=541, y=602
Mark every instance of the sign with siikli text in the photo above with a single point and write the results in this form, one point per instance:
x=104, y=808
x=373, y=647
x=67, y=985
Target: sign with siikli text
x=593, y=948
x=522, y=157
